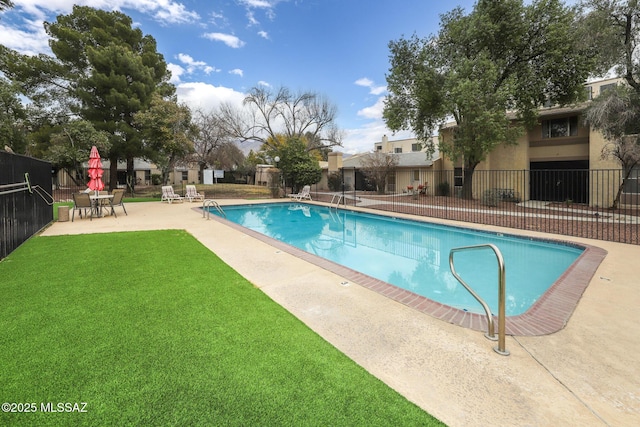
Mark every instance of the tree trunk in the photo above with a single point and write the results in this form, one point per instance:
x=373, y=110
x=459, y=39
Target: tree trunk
x=616, y=201
x=467, y=183
x=131, y=175
x=113, y=173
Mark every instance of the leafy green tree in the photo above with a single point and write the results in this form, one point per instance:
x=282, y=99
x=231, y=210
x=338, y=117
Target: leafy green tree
x=167, y=132
x=103, y=71
x=612, y=29
x=12, y=119
x=503, y=56
x=298, y=166
x=70, y=146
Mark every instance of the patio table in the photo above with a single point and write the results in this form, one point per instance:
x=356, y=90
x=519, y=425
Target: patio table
x=96, y=200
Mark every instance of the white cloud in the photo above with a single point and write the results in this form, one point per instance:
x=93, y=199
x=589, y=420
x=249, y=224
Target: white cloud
x=263, y=83
x=176, y=72
x=27, y=35
x=263, y=34
x=31, y=40
x=252, y=18
x=267, y=6
x=166, y=11
x=193, y=65
x=171, y=12
x=206, y=96
x=228, y=39
x=374, y=111
x=373, y=89
x=364, y=82
x=361, y=139
x=237, y=72
x=259, y=4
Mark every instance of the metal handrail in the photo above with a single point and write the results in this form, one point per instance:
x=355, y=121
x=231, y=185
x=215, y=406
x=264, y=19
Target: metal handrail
x=16, y=187
x=208, y=203
x=26, y=186
x=500, y=349
x=340, y=197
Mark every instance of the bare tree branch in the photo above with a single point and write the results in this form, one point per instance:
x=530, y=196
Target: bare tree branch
x=267, y=114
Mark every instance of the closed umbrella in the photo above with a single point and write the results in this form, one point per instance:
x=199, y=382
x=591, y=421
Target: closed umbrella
x=95, y=171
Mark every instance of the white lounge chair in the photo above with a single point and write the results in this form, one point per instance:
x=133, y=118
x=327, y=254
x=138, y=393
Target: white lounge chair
x=303, y=194
x=192, y=194
x=169, y=196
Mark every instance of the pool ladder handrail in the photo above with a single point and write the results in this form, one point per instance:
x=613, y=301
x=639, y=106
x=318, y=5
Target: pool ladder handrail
x=500, y=349
x=333, y=199
x=208, y=203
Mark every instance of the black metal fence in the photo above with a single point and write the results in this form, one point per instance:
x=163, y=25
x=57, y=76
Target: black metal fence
x=25, y=204
x=580, y=203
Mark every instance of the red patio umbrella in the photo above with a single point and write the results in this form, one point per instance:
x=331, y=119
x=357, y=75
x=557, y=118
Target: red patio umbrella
x=95, y=171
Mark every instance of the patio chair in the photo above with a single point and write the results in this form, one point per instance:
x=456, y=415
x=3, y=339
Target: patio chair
x=192, y=194
x=103, y=203
x=169, y=196
x=82, y=201
x=303, y=194
x=117, y=201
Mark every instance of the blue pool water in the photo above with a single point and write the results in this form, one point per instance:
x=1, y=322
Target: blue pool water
x=414, y=255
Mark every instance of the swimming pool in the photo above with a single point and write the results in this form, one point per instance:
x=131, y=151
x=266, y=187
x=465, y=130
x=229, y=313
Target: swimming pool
x=413, y=255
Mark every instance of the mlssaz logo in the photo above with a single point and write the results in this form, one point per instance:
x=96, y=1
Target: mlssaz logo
x=63, y=407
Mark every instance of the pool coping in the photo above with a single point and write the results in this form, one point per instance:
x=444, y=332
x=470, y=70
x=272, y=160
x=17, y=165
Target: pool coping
x=549, y=314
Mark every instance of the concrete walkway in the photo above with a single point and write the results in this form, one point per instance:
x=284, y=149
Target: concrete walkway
x=587, y=374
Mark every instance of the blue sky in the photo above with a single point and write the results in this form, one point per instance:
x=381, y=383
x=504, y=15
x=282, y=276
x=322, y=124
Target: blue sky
x=218, y=50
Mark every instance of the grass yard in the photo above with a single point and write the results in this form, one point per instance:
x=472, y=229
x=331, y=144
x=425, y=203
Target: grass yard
x=151, y=328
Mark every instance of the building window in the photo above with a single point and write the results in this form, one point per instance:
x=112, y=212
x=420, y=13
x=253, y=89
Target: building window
x=397, y=150
x=416, y=174
x=605, y=88
x=379, y=147
x=457, y=177
x=416, y=147
x=557, y=128
x=147, y=177
x=185, y=175
x=589, y=92
x=632, y=184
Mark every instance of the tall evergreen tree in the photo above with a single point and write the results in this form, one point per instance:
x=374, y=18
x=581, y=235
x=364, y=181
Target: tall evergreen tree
x=103, y=71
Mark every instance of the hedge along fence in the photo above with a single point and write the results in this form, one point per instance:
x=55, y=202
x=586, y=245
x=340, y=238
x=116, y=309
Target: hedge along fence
x=25, y=204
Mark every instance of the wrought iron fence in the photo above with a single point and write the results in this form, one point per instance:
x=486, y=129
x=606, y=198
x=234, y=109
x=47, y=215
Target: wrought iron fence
x=580, y=203
x=25, y=204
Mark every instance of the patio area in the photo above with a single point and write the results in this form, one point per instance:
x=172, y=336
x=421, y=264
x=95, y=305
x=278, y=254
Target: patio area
x=586, y=374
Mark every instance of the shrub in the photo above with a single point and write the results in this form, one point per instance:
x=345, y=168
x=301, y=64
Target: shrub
x=490, y=198
x=334, y=181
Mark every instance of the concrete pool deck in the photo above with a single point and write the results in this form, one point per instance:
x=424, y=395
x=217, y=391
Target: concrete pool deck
x=586, y=374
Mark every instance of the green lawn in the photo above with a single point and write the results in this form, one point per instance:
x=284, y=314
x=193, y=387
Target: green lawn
x=151, y=328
